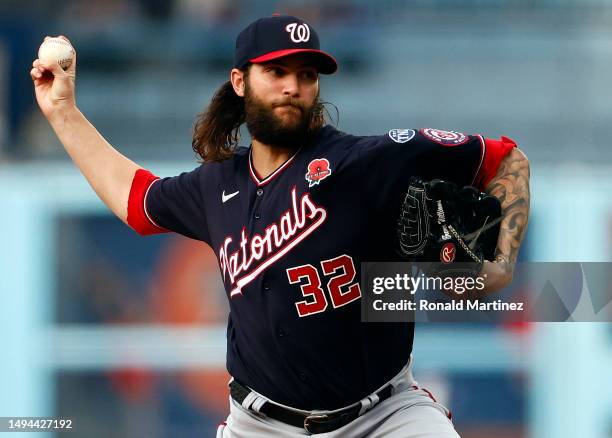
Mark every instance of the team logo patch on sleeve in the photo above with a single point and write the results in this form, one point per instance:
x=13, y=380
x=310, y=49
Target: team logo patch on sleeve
x=318, y=170
x=401, y=135
x=445, y=138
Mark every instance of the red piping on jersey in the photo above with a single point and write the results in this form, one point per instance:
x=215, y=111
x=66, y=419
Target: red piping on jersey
x=138, y=218
x=430, y=395
x=267, y=179
x=144, y=205
x=494, y=152
x=449, y=414
x=483, y=152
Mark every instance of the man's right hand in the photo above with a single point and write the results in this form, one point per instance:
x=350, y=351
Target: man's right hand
x=54, y=87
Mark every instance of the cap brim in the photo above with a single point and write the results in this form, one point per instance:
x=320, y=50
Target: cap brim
x=326, y=64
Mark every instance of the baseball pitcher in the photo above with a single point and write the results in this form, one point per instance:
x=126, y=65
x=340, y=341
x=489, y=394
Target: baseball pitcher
x=291, y=218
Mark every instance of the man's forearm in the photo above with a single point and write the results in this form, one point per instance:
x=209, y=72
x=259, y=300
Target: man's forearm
x=511, y=186
x=108, y=172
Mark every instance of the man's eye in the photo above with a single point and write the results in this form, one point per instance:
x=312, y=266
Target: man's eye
x=276, y=71
x=309, y=75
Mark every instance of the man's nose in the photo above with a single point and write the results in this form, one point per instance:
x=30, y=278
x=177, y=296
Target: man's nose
x=291, y=85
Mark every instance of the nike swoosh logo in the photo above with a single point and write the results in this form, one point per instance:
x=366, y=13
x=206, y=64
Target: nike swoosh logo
x=226, y=198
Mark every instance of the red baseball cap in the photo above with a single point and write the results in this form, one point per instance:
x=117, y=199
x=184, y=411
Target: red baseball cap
x=279, y=36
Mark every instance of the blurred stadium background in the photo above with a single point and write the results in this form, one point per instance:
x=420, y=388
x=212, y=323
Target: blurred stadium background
x=127, y=334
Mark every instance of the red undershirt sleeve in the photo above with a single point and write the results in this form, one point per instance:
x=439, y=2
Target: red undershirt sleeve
x=138, y=218
x=495, y=151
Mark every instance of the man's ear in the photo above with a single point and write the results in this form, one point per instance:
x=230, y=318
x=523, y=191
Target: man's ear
x=237, y=80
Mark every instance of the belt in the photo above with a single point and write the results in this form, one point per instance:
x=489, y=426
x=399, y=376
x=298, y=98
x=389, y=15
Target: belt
x=314, y=422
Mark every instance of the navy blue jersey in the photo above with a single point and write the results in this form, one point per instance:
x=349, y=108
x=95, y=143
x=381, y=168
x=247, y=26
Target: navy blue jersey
x=290, y=246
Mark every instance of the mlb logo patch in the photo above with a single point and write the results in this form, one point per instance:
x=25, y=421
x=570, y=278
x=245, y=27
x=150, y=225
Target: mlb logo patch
x=445, y=138
x=318, y=170
x=401, y=135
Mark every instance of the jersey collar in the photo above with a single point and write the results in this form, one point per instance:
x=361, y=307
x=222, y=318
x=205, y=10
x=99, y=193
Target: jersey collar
x=262, y=182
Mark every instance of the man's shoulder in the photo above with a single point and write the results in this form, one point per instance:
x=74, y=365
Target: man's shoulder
x=355, y=142
x=424, y=137
x=209, y=171
x=330, y=136
x=395, y=135
x=239, y=154
x=333, y=141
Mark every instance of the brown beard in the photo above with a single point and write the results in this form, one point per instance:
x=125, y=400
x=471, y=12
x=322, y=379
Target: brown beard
x=266, y=127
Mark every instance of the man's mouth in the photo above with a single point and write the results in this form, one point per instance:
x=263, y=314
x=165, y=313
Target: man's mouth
x=288, y=105
x=290, y=109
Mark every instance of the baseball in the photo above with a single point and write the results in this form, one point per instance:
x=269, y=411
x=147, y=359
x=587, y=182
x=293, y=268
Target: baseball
x=56, y=49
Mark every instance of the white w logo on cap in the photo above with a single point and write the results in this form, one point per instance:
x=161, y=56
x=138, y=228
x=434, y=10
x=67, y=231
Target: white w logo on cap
x=299, y=34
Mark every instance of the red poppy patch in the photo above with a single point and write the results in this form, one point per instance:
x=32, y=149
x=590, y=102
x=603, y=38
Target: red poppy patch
x=318, y=170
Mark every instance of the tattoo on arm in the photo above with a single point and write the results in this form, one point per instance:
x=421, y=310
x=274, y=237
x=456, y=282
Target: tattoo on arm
x=511, y=186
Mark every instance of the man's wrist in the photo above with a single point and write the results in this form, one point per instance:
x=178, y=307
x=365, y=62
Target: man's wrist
x=61, y=116
x=503, y=261
x=497, y=274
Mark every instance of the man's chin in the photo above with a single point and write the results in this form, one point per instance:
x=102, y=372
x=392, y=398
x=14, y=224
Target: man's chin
x=287, y=137
x=289, y=121
x=281, y=126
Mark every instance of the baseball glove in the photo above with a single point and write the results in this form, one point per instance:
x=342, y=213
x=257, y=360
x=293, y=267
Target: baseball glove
x=454, y=228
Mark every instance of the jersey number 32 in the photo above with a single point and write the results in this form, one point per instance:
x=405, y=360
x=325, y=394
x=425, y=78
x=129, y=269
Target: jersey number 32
x=340, y=286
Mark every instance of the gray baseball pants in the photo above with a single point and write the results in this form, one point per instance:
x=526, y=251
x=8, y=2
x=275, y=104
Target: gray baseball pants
x=410, y=412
